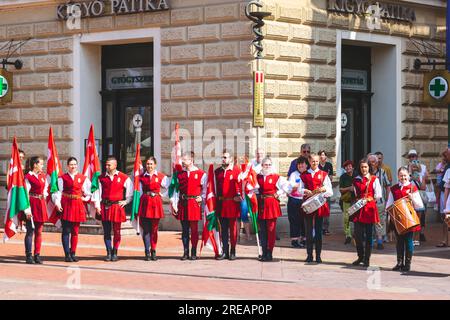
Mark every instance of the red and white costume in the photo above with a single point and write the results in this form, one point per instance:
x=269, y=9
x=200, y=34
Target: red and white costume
x=37, y=187
x=399, y=191
x=369, y=213
x=151, y=204
x=315, y=179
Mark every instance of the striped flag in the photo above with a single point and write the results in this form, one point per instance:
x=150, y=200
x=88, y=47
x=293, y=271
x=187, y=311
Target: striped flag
x=54, y=171
x=210, y=234
x=91, y=169
x=136, y=194
x=18, y=199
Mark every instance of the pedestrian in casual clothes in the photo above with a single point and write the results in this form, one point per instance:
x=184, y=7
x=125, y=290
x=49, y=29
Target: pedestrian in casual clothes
x=443, y=186
x=295, y=199
x=326, y=166
x=380, y=227
x=347, y=197
x=418, y=181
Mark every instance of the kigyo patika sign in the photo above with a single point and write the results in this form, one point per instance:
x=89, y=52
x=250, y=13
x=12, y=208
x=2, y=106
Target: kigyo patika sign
x=373, y=9
x=98, y=8
x=354, y=80
x=130, y=78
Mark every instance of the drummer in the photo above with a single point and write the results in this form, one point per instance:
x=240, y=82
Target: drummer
x=405, y=246
x=315, y=181
x=366, y=186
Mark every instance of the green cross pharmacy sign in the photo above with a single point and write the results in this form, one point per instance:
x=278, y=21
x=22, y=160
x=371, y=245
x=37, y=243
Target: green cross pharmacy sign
x=438, y=87
x=4, y=87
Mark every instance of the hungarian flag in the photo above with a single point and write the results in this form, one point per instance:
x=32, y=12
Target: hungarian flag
x=210, y=234
x=176, y=150
x=249, y=183
x=54, y=171
x=18, y=199
x=91, y=169
x=136, y=194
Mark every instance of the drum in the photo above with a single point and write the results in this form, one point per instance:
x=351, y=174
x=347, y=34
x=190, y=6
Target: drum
x=314, y=203
x=355, y=208
x=403, y=215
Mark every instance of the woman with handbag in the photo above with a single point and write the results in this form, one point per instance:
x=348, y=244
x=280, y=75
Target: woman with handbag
x=405, y=247
x=367, y=190
x=418, y=180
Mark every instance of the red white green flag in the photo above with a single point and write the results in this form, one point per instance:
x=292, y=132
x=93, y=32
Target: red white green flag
x=210, y=234
x=18, y=199
x=91, y=169
x=54, y=171
x=136, y=194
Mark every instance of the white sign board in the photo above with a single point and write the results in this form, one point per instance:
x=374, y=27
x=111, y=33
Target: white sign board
x=354, y=80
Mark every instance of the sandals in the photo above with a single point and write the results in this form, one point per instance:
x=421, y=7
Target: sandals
x=441, y=245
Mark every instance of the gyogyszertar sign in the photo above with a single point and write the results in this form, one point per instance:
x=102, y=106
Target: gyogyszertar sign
x=365, y=7
x=99, y=8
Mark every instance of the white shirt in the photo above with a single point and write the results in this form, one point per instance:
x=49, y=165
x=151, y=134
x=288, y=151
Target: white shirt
x=446, y=178
x=256, y=166
x=86, y=189
x=296, y=181
x=128, y=193
x=378, y=192
x=326, y=183
x=416, y=198
x=28, y=185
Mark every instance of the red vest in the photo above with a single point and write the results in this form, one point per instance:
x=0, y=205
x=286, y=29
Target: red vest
x=189, y=209
x=113, y=190
x=38, y=206
x=315, y=182
x=268, y=208
x=227, y=186
x=369, y=213
x=74, y=186
x=151, y=183
x=401, y=192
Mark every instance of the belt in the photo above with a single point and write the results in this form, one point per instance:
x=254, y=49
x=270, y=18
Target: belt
x=264, y=196
x=107, y=202
x=151, y=194
x=71, y=196
x=224, y=198
x=185, y=197
x=37, y=195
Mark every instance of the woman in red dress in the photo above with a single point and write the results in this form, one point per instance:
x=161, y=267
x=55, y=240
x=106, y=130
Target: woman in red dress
x=405, y=246
x=36, y=183
x=271, y=186
x=366, y=186
x=73, y=189
x=151, y=205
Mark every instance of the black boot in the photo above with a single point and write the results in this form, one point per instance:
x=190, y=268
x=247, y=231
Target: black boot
x=114, y=257
x=37, y=259
x=194, y=254
x=360, y=251
x=268, y=257
x=399, y=266
x=309, y=257
x=264, y=255
x=108, y=255
x=367, y=254
x=74, y=257
x=68, y=258
x=154, y=258
x=147, y=256
x=29, y=259
x=318, y=251
x=232, y=254
x=408, y=259
x=185, y=255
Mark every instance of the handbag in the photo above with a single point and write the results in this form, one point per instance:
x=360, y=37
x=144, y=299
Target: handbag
x=431, y=196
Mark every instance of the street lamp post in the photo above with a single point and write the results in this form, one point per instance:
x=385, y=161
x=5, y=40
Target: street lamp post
x=258, y=75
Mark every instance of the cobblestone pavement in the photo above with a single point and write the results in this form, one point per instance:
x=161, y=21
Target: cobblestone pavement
x=288, y=277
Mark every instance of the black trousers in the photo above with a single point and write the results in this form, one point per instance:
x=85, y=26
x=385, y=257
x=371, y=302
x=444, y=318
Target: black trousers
x=313, y=221
x=296, y=221
x=364, y=239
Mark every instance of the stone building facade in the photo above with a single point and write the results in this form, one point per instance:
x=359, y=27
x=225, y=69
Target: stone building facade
x=202, y=66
